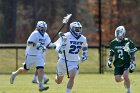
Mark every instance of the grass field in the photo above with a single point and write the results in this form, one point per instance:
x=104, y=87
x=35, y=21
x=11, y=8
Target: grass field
x=84, y=83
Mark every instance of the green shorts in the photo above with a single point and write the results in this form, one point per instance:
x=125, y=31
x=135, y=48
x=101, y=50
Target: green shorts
x=120, y=70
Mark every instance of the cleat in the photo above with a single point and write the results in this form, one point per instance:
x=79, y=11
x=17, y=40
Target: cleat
x=34, y=81
x=12, y=77
x=45, y=81
x=43, y=88
x=128, y=92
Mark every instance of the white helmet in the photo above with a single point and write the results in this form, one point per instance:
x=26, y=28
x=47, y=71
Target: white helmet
x=120, y=32
x=41, y=25
x=76, y=29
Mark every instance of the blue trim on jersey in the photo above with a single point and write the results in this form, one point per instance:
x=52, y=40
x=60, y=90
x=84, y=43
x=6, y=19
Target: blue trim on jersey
x=74, y=35
x=41, y=32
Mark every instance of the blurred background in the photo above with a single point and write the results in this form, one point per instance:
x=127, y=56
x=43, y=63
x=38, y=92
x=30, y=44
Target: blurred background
x=18, y=19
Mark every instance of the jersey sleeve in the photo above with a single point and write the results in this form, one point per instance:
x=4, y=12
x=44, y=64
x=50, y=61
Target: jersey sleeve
x=48, y=41
x=85, y=43
x=111, y=47
x=32, y=37
x=132, y=47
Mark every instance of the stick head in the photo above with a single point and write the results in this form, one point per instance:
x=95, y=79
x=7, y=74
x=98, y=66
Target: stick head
x=66, y=18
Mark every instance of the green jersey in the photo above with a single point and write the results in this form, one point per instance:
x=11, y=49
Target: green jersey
x=121, y=55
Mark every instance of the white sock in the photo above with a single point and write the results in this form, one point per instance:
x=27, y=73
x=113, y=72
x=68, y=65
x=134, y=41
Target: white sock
x=34, y=78
x=40, y=84
x=128, y=89
x=45, y=78
x=67, y=90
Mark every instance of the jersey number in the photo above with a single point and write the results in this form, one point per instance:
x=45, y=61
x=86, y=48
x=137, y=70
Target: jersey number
x=120, y=52
x=74, y=49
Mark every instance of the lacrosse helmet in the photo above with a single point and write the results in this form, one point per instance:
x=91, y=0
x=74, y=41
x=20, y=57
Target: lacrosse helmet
x=120, y=33
x=41, y=26
x=76, y=29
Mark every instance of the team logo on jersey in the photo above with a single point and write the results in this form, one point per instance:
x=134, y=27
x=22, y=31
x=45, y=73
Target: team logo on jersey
x=76, y=42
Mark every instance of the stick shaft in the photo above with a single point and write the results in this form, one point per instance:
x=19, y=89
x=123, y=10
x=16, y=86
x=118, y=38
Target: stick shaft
x=66, y=63
x=58, y=32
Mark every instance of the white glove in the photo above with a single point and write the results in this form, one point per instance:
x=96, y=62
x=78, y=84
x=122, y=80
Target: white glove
x=41, y=47
x=109, y=64
x=61, y=48
x=64, y=38
x=84, y=58
x=132, y=67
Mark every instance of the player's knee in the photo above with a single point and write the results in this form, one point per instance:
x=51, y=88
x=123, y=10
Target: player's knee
x=58, y=80
x=72, y=78
x=126, y=78
x=118, y=79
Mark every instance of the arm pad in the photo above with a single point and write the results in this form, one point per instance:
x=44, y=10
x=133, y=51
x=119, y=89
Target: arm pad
x=132, y=56
x=32, y=44
x=85, y=51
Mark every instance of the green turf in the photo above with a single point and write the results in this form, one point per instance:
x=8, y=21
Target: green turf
x=84, y=83
x=8, y=61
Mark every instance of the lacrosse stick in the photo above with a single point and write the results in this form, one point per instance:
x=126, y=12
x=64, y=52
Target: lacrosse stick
x=64, y=40
x=65, y=21
x=126, y=47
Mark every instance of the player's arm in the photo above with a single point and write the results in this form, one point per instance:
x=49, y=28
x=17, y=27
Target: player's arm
x=84, y=51
x=30, y=43
x=51, y=45
x=110, y=59
x=133, y=49
x=32, y=40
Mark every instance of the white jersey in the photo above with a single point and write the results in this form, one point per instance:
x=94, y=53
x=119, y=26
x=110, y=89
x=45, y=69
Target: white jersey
x=73, y=46
x=37, y=37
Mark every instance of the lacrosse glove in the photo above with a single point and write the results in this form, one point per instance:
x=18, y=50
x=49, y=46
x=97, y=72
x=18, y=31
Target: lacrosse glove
x=132, y=67
x=40, y=46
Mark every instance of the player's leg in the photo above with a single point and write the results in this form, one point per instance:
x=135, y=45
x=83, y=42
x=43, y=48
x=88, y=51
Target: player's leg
x=19, y=71
x=60, y=71
x=118, y=71
x=45, y=79
x=27, y=64
x=59, y=79
x=126, y=80
x=40, y=71
x=73, y=71
x=72, y=74
x=126, y=77
x=118, y=78
x=34, y=80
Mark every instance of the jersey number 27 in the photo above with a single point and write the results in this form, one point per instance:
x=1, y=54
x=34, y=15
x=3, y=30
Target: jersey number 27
x=74, y=49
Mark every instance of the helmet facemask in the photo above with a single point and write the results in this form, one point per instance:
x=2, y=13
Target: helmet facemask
x=76, y=29
x=120, y=33
x=41, y=26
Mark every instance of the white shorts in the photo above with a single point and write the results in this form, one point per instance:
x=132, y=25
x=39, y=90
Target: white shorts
x=61, y=66
x=33, y=59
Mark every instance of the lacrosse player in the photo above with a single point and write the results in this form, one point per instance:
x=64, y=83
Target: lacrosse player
x=124, y=51
x=35, y=53
x=68, y=47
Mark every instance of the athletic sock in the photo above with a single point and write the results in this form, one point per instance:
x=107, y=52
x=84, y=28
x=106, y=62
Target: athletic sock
x=34, y=77
x=40, y=84
x=45, y=78
x=68, y=90
x=128, y=90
